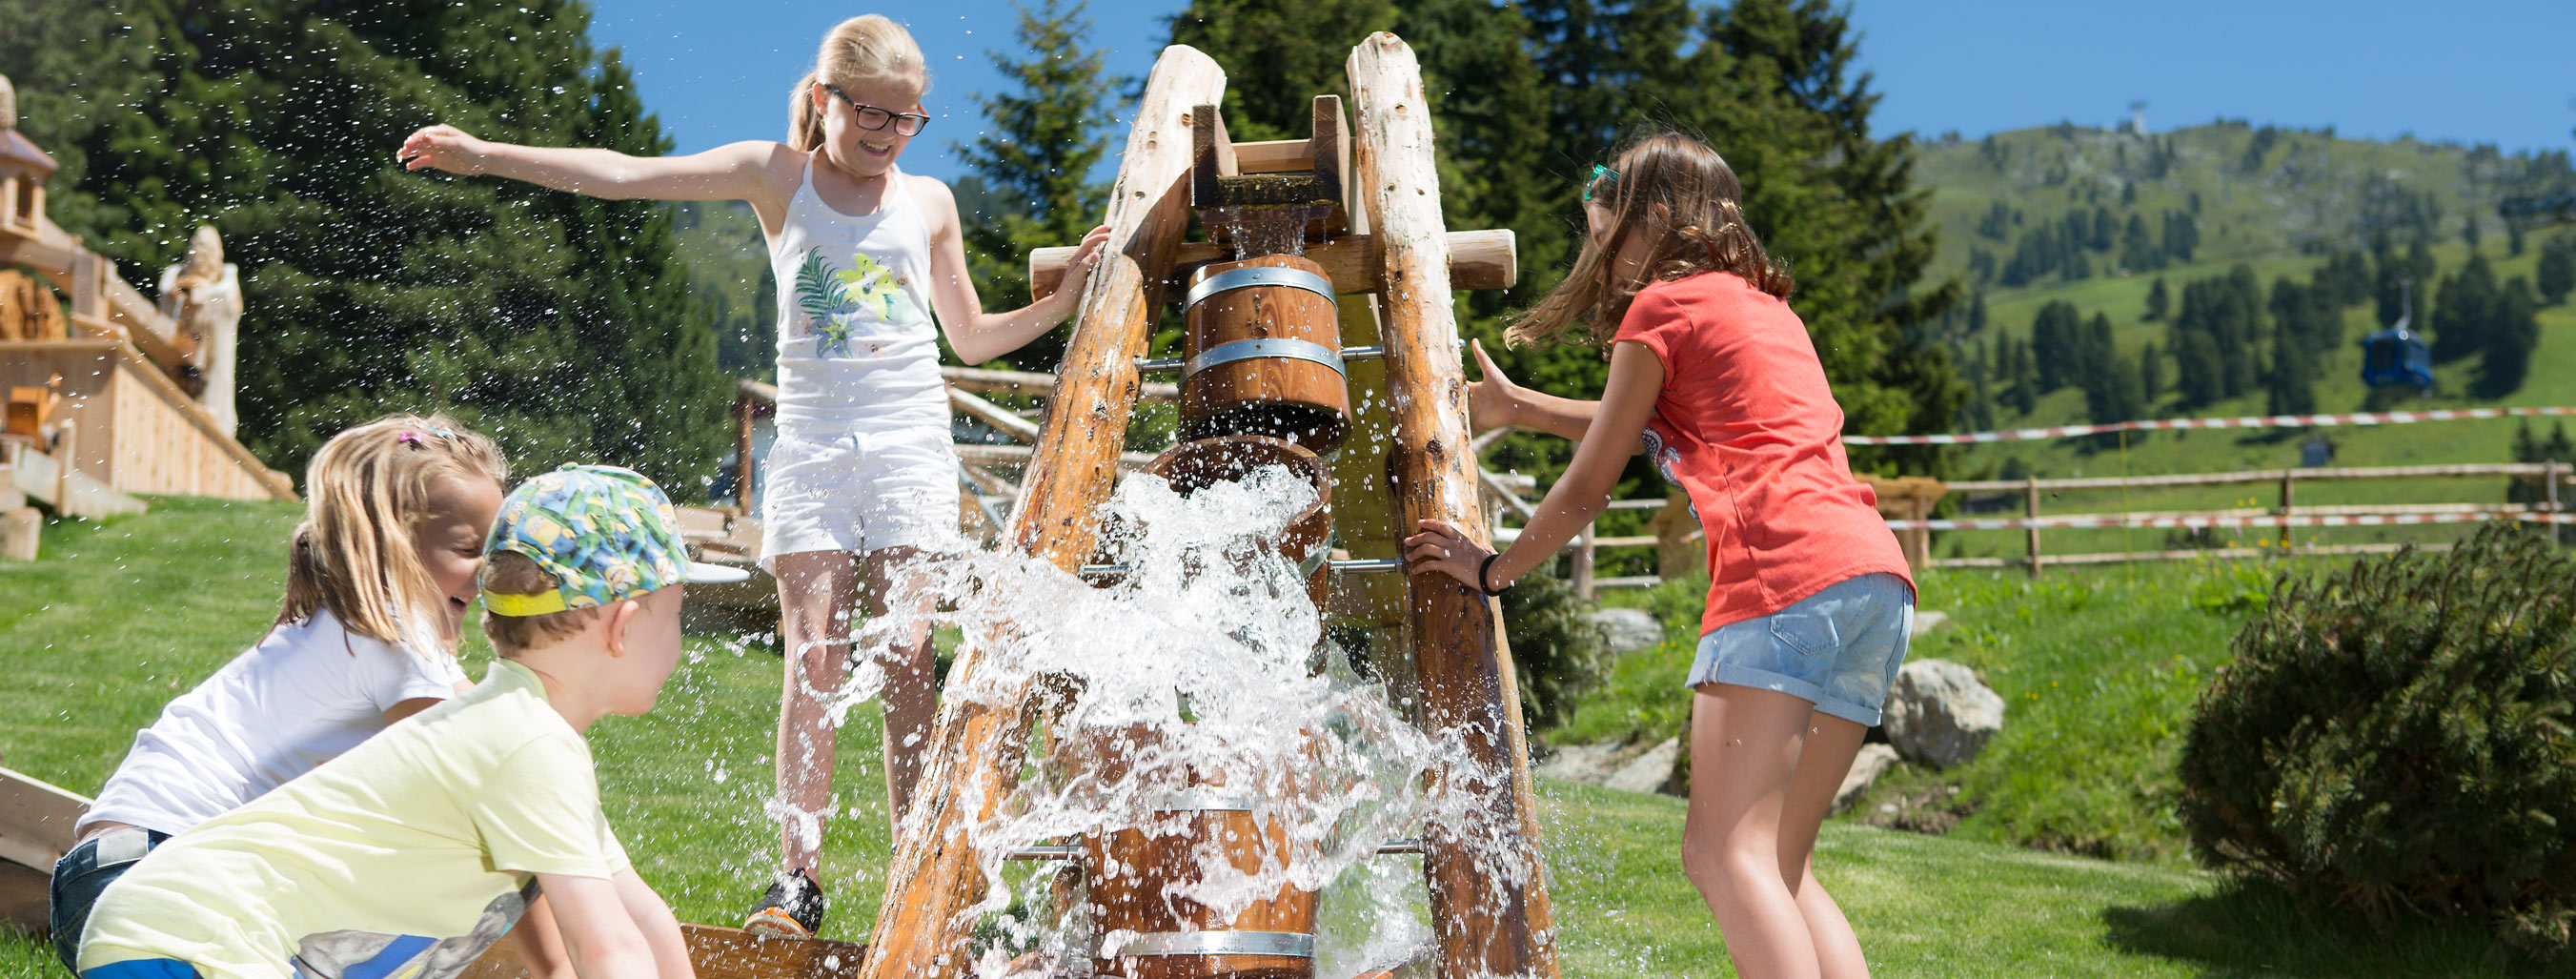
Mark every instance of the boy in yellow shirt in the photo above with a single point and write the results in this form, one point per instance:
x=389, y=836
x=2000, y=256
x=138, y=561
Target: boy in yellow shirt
x=408, y=856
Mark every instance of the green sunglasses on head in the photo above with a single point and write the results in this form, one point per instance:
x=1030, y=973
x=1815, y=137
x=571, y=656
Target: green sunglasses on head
x=1598, y=172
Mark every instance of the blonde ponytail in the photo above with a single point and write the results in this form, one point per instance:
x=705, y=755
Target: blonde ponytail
x=860, y=49
x=367, y=490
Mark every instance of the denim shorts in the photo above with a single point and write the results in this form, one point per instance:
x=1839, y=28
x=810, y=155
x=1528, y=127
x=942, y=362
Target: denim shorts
x=81, y=874
x=1838, y=648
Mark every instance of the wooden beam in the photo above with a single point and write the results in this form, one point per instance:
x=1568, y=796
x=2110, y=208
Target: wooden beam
x=1274, y=156
x=1489, y=902
x=973, y=762
x=1032, y=382
x=1477, y=260
x=1000, y=418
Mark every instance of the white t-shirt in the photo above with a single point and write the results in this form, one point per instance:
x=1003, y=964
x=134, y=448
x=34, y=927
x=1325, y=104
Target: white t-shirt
x=306, y=693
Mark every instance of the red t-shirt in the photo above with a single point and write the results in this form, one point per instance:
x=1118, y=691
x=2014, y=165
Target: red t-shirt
x=1748, y=427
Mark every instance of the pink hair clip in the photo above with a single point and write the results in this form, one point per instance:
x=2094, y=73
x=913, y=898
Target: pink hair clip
x=408, y=437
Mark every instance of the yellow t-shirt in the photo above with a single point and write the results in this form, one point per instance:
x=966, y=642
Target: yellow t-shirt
x=402, y=859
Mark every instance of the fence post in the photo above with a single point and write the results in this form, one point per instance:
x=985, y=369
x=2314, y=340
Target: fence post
x=2030, y=509
x=744, y=411
x=2287, y=476
x=2551, y=481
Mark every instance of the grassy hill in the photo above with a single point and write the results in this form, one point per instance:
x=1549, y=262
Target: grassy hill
x=2280, y=202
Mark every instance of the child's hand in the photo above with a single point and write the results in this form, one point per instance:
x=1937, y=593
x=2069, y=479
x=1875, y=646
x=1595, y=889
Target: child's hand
x=1492, y=398
x=442, y=147
x=1095, y=244
x=1444, y=548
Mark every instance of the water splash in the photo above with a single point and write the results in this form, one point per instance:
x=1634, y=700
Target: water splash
x=1203, y=670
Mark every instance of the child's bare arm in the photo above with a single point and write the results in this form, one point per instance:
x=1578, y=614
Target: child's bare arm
x=599, y=936
x=746, y=171
x=661, y=928
x=1493, y=401
x=976, y=335
x=541, y=947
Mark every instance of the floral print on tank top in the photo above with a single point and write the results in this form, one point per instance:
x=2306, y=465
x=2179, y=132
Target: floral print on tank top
x=833, y=300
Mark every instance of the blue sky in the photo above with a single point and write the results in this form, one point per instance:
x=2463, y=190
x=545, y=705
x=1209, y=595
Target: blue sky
x=2472, y=72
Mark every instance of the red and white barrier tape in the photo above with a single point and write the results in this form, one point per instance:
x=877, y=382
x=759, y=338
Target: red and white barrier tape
x=2253, y=421
x=2116, y=521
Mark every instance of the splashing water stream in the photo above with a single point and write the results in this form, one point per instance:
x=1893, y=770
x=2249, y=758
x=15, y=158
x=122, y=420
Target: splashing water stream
x=1202, y=671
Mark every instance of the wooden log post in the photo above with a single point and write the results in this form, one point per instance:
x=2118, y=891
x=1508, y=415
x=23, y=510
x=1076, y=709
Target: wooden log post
x=1489, y=904
x=977, y=747
x=2289, y=478
x=2030, y=509
x=2550, y=481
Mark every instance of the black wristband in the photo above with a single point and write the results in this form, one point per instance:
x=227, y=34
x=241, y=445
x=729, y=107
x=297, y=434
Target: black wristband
x=1482, y=570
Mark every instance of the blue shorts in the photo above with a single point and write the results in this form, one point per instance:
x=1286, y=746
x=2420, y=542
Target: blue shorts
x=81, y=874
x=1838, y=648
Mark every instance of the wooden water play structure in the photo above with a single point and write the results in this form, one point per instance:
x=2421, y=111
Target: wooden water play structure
x=125, y=395
x=1379, y=244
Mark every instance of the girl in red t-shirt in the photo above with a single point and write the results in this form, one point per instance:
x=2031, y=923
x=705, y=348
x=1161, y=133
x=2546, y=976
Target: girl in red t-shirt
x=1809, y=600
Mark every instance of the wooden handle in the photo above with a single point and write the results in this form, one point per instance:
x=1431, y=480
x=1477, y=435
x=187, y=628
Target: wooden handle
x=1477, y=260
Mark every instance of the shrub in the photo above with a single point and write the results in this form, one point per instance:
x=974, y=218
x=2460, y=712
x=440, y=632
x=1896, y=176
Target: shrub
x=1556, y=647
x=2401, y=736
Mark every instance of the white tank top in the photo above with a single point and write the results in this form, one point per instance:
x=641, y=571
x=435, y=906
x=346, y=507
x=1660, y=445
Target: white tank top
x=855, y=341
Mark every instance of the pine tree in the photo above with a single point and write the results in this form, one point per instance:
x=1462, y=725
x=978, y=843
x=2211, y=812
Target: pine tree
x=2465, y=315
x=1977, y=312
x=2158, y=300
x=1034, y=159
x=555, y=322
x=2557, y=271
x=2151, y=375
x=2512, y=334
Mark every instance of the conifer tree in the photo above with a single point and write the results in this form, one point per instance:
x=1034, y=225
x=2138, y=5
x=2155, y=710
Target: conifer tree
x=1034, y=159
x=555, y=322
x=2557, y=269
x=2511, y=336
x=2159, y=301
x=2151, y=376
x=2465, y=313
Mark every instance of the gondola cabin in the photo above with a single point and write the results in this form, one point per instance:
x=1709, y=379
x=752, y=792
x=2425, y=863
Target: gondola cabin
x=2396, y=356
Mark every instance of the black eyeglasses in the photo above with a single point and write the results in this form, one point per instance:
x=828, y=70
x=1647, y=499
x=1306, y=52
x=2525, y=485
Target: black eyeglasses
x=873, y=118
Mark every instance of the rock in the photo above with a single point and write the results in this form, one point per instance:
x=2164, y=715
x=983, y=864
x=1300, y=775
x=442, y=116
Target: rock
x=1874, y=761
x=1650, y=771
x=1928, y=621
x=1939, y=715
x=1590, y=764
x=1628, y=630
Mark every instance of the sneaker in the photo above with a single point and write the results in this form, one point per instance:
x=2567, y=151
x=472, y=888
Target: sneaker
x=792, y=908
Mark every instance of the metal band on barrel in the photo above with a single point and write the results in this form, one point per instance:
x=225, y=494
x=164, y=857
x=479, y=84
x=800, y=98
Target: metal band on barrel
x=1277, y=348
x=1232, y=279
x=1286, y=944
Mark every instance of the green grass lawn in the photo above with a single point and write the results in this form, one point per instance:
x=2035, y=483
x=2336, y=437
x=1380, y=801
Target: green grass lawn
x=116, y=618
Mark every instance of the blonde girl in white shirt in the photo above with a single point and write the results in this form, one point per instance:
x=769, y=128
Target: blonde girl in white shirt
x=862, y=482
x=378, y=578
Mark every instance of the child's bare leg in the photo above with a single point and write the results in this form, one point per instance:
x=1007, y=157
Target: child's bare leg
x=1832, y=743
x=815, y=591
x=897, y=587
x=1744, y=747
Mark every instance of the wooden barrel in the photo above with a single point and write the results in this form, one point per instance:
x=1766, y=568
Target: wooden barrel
x=1263, y=354
x=1308, y=538
x=1158, y=935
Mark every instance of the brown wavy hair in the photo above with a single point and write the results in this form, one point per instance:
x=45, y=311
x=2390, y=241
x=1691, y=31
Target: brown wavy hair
x=1681, y=192
x=864, y=48
x=366, y=493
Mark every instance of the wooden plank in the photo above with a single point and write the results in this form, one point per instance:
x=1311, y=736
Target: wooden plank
x=36, y=820
x=1000, y=418
x=717, y=953
x=1211, y=155
x=101, y=377
x=40, y=477
x=2462, y=471
x=1274, y=156
x=1330, y=152
x=977, y=750
x=1477, y=260
x=1489, y=901
x=1031, y=382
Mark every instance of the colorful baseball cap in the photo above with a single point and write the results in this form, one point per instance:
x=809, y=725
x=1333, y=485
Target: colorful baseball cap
x=607, y=534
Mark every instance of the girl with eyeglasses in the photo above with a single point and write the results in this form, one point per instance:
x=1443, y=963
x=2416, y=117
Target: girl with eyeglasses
x=861, y=484
x=1810, y=603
